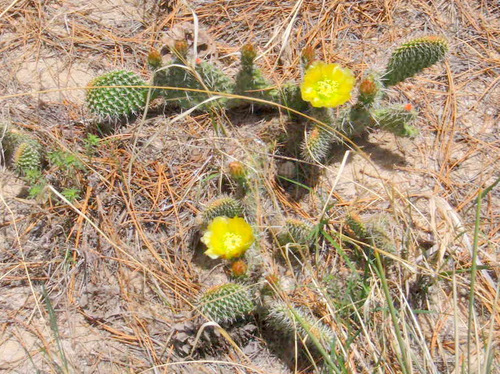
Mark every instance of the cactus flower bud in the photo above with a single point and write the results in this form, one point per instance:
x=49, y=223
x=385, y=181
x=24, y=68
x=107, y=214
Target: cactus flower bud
x=154, y=59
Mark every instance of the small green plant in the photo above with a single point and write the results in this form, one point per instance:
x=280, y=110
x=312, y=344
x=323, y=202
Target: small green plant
x=65, y=161
x=226, y=303
x=91, y=144
x=116, y=95
x=71, y=194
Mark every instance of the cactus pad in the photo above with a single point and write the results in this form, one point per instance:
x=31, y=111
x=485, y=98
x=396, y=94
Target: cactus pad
x=222, y=206
x=316, y=145
x=226, y=303
x=114, y=103
x=414, y=56
x=297, y=232
x=396, y=119
x=292, y=320
x=27, y=156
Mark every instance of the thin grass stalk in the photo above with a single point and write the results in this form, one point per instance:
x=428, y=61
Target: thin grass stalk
x=475, y=246
x=402, y=357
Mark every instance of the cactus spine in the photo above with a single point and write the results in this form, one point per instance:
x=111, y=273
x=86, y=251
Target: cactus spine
x=226, y=303
x=414, y=56
x=111, y=102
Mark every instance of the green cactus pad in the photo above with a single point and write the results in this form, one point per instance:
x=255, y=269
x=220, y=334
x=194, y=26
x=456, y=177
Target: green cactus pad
x=211, y=78
x=292, y=320
x=222, y=206
x=414, y=56
x=114, y=103
x=357, y=227
x=316, y=145
x=27, y=156
x=226, y=303
x=297, y=232
x=396, y=119
x=250, y=81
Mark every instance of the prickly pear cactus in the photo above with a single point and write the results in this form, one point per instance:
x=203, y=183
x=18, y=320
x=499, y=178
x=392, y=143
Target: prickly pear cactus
x=114, y=103
x=250, y=81
x=370, y=89
x=222, y=206
x=27, y=156
x=290, y=320
x=316, y=145
x=414, y=56
x=296, y=231
x=397, y=119
x=203, y=76
x=226, y=303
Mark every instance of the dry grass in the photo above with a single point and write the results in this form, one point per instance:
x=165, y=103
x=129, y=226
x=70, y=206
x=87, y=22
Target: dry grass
x=107, y=283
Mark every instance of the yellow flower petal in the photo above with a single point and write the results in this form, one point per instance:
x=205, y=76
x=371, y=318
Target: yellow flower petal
x=327, y=85
x=227, y=237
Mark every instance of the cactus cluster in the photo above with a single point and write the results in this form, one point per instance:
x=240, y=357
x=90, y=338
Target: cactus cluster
x=201, y=80
x=116, y=95
x=226, y=303
x=406, y=61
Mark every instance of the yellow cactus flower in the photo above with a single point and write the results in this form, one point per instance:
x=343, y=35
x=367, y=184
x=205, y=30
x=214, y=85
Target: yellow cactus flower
x=327, y=85
x=227, y=237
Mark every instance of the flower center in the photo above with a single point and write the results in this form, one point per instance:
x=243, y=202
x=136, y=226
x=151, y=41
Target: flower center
x=232, y=240
x=327, y=88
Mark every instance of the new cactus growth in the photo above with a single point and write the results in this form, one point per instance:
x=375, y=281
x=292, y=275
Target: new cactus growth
x=372, y=233
x=357, y=227
x=290, y=320
x=222, y=206
x=250, y=81
x=226, y=303
x=413, y=57
x=116, y=95
x=204, y=76
x=370, y=89
x=297, y=232
x=316, y=145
